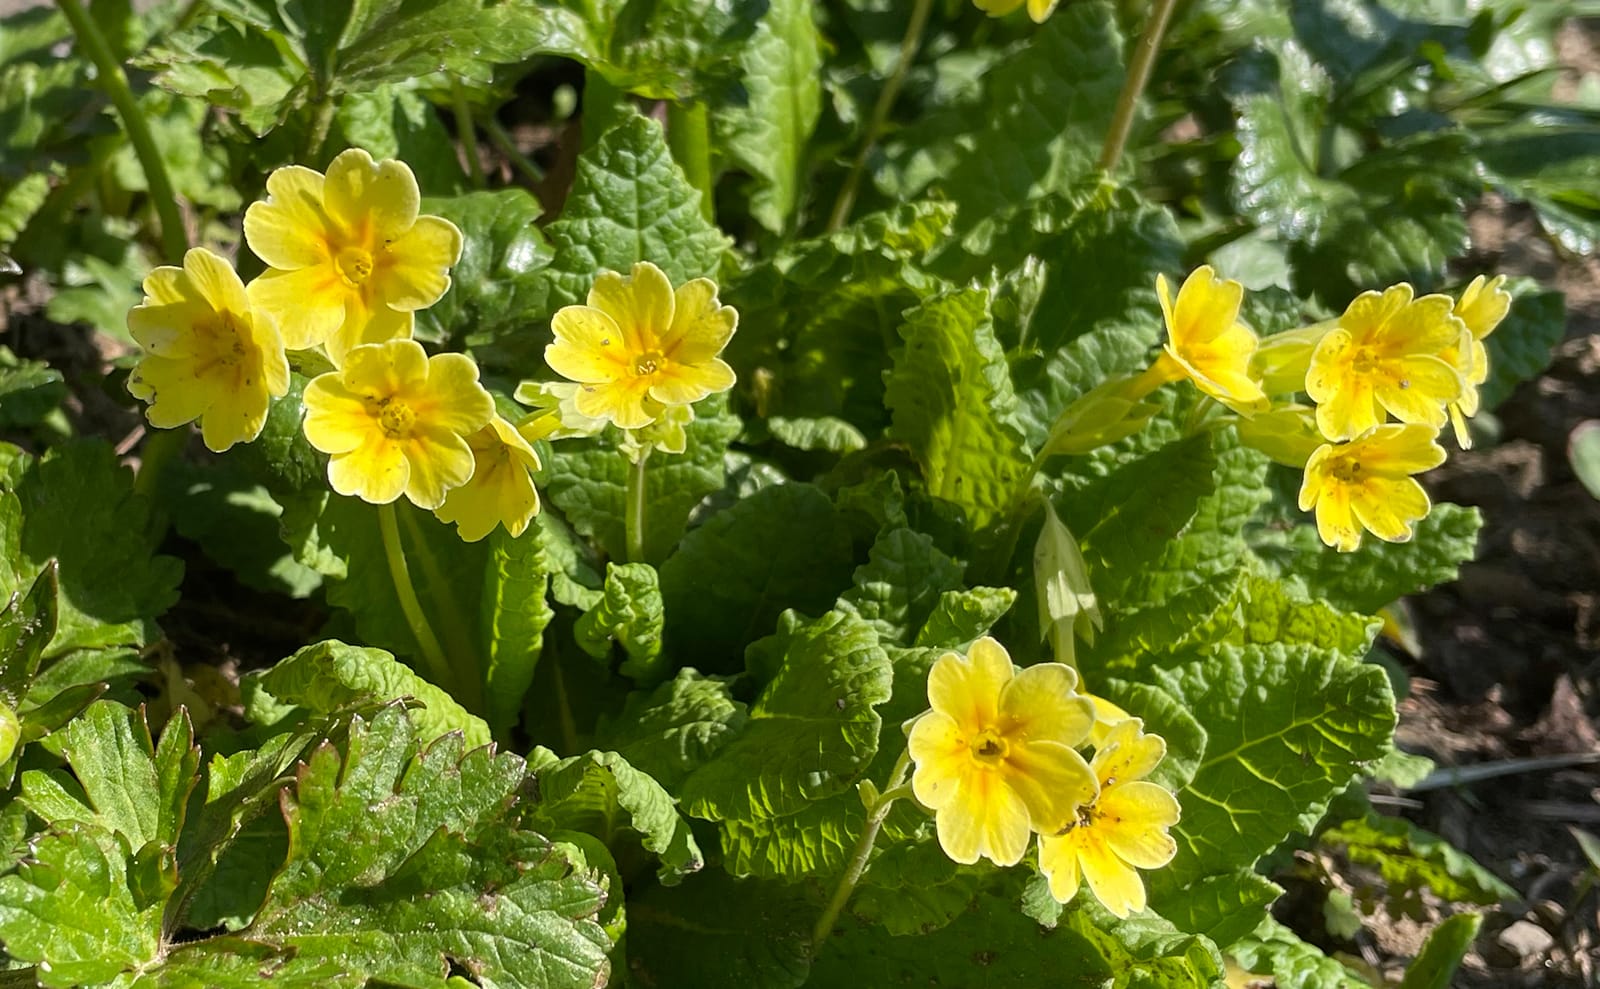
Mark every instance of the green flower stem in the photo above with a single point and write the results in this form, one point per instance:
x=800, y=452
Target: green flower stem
x=876, y=814
x=161, y=447
x=452, y=620
x=321, y=124
x=432, y=653
x=502, y=141
x=174, y=241
x=689, y=137
x=1144, y=57
x=634, y=517
x=880, y=114
x=467, y=133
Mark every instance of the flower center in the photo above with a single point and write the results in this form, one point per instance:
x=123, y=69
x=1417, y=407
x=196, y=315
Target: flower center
x=355, y=265
x=988, y=747
x=1346, y=469
x=395, y=419
x=1364, y=362
x=648, y=362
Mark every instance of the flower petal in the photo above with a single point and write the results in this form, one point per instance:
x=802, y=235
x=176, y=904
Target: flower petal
x=363, y=325
x=641, y=303
x=1207, y=307
x=1114, y=882
x=684, y=384
x=1396, y=450
x=967, y=689
x=1052, y=781
x=1336, y=523
x=440, y=460
x=1041, y=703
x=1417, y=388
x=290, y=230
x=337, y=420
x=376, y=471
x=1389, y=507
x=307, y=304
x=625, y=403
x=372, y=201
x=383, y=370
x=986, y=818
x=701, y=326
x=414, y=271
x=453, y=400
x=589, y=346
x=1128, y=753
x=1058, y=860
x=1134, y=817
x=216, y=281
x=235, y=416
x=176, y=394
x=168, y=330
x=941, y=754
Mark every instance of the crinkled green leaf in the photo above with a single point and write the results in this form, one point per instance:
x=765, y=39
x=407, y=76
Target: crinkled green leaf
x=512, y=615
x=951, y=399
x=813, y=842
x=961, y=616
x=235, y=521
x=715, y=931
x=897, y=589
x=1555, y=169
x=498, y=283
x=629, y=615
x=810, y=733
x=77, y=505
x=1224, y=907
x=766, y=132
x=331, y=676
x=396, y=121
x=1271, y=611
x=27, y=625
x=822, y=433
x=1287, y=729
x=1410, y=860
x=914, y=888
x=587, y=480
x=783, y=547
x=629, y=202
x=29, y=390
x=1276, y=950
x=671, y=731
x=600, y=794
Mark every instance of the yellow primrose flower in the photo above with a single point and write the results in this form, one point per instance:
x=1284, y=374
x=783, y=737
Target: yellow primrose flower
x=350, y=260
x=1206, y=343
x=1037, y=9
x=1123, y=830
x=1481, y=307
x=395, y=420
x=1367, y=483
x=1106, y=717
x=208, y=354
x=1390, y=353
x=638, y=345
x=994, y=757
x=501, y=490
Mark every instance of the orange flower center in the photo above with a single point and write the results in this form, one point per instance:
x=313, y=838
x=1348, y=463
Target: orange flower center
x=648, y=362
x=1364, y=361
x=989, y=747
x=355, y=265
x=1346, y=469
x=395, y=419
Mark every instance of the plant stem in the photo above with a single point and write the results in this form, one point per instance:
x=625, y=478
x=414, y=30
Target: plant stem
x=863, y=851
x=1144, y=57
x=161, y=447
x=174, y=241
x=689, y=137
x=634, y=518
x=880, y=113
x=569, y=727
x=432, y=654
x=321, y=124
x=501, y=140
x=467, y=133
x=451, y=618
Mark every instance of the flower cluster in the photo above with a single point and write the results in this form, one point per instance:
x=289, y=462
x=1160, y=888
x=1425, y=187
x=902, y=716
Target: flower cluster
x=1390, y=355
x=997, y=761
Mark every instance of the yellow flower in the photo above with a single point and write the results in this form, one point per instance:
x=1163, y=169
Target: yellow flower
x=995, y=758
x=1124, y=830
x=1367, y=483
x=1390, y=353
x=501, y=490
x=350, y=260
x=1106, y=717
x=208, y=354
x=1481, y=307
x=1206, y=343
x=638, y=345
x=1037, y=9
x=395, y=420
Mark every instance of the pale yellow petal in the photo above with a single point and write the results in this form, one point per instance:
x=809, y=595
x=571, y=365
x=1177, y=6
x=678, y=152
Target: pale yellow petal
x=364, y=325
x=683, y=384
x=701, y=326
x=624, y=403
x=1484, y=305
x=1370, y=311
x=176, y=395
x=1040, y=10
x=940, y=753
x=1058, y=860
x=1315, y=477
x=307, y=305
x=1336, y=523
x=589, y=346
x=1206, y=308
x=235, y=416
x=986, y=819
x=414, y=271
x=1425, y=326
x=337, y=420
x=1134, y=818
x=167, y=285
x=376, y=202
x=1052, y=780
x=1041, y=704
x=167, y=330
x=1115, y=883
x=375, y=472
x=440, y=460
x=453, y=400
x=1396, y=450
x=1417, y=388
x=641, y=303
x=967, y=689
x=290, y=230
x=1128, y=754
x=216, y=281
x=1387, y=508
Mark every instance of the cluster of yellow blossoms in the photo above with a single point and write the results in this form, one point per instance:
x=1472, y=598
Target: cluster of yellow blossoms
x=350, y=261
x=997, y=762
x=1390, y=354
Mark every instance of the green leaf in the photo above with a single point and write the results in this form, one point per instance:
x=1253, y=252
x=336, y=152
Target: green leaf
x=782, y=547
x=1525, y=341
x=1164, y=715
x=392, y=121
x=1411, y=860
x=1276, y=950
x=821, y=433
x=1271, y=611
x=676, y=728
x=1287, y=729
x=29, y=390
x=1378, y=573
x=235, y=521
x=914, y=888
x=512, y=615
x=810, y=733
x=813, y=842
x=716, y=932
x=1223, y=907
x=951, y=399
x=629, y=202
x=402, y=861
x=766, y=132
x=499, y=280
x=27, y=625
x=330, y=676
x=630, y=615
x=897, y=589
x=1039, y=127
x=588, y=480
x=77, y=505
x=961, y=616
x=1441, y=954
x=600, y=794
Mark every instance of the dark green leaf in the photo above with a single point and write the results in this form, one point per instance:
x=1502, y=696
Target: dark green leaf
x=673, y=730
x=630, y=615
